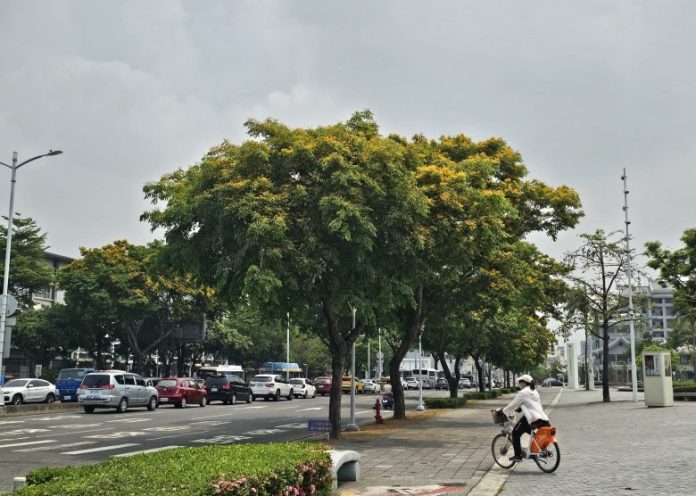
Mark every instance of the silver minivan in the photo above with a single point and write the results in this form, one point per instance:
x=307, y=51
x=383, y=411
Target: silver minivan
x=116, y=389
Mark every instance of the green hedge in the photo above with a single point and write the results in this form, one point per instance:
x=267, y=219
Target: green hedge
x=444, y=402
x=684, y=386
x=478, y=395
x=244, y=469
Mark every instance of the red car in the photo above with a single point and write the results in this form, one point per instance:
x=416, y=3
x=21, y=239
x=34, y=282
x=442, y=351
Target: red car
x=181, y=391
x=323, y=385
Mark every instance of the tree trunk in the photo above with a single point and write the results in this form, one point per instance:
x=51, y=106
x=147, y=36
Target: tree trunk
x=397, y=390
x=452, y=380
x=100, y=359
x=605, y=363
x=587, y=369
x=480, y=374
x=338, y=355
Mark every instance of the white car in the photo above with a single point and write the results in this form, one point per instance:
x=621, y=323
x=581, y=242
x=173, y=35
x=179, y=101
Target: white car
x=18, y=391
x=371, y=386
x=303, y=387
x=270, y=386
x=412, y=383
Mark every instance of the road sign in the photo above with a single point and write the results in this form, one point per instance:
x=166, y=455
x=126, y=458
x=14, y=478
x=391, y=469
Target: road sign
x=11, y=305
x=318, y=425
x=39, y=369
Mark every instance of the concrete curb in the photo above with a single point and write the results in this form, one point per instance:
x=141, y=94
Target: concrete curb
x=22, y=410
x=494, y=480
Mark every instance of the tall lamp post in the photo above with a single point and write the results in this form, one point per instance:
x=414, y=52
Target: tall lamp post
x=420, y=370
x=5, y=282
x=634, y=376
x=287, y=351
x=352, y=426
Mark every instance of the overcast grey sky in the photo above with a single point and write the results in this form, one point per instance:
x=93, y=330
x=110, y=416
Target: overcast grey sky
x=131, y=90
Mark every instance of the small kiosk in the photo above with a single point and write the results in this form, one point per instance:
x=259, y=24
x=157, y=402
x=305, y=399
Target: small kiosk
x=657, y=378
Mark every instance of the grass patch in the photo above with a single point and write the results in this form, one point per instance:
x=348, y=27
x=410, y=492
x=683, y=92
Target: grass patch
x=244, y=469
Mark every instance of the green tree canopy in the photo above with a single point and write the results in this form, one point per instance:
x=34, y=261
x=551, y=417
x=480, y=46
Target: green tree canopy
x=29, y=270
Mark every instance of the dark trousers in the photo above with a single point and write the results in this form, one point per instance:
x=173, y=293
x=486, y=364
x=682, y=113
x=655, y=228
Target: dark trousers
x=523, y=427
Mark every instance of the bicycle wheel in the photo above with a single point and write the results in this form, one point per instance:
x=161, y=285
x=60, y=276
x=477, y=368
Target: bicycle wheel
x=501, y=447
x=549, y=459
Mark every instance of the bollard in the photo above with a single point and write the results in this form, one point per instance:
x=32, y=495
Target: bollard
x=19, y=483
x=378, y=409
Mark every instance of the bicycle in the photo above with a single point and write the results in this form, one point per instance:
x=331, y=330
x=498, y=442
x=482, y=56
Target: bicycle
x=543, y=447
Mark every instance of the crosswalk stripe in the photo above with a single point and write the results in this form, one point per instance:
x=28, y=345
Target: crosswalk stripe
x=28, y=443
x=56, y=447
x=308, y=409
x=152, y=450
x=103, y=448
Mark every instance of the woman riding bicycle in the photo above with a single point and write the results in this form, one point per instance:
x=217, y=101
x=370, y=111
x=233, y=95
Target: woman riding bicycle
x=528, y=402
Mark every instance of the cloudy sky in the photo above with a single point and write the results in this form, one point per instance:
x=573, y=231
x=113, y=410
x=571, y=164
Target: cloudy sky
x=130, y=90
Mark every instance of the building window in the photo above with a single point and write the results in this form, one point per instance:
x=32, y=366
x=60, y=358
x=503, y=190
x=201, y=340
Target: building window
x=657, y=323
x=45, y=293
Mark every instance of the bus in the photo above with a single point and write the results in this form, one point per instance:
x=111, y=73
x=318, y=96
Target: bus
x=211, y=370
x=428, y=377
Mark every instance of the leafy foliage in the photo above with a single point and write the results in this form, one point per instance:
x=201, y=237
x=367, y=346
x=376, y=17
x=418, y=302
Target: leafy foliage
x=434, y=403
x=29, y=270
x=245, y=469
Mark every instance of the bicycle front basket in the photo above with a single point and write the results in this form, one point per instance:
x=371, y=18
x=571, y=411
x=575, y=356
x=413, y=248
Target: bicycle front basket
x=498, y=416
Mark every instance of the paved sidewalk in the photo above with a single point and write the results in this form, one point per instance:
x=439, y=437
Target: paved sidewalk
x=616, y=448
x=446, y=453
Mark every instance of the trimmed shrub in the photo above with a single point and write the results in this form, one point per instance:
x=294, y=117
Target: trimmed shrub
x=478, y=395
x=295, y=468
x=684, y=386
x=444, y=402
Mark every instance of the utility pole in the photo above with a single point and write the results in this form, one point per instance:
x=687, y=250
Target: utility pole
x=634, y=376
x=379, y=353
x=420, y=370
x=369, y=370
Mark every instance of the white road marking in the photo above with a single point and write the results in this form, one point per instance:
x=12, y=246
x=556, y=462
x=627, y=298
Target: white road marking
x=103, y=448
x=152, y=450
x=8, y=422
x=296, y=425
x=28, y=443
x=309, y=409
x=222, y=439
x=14, y=439
x=56, y=447
x=212, y=422
x=256, y=407
x=58, y=417
x=264, y=432
x=364, y=411
x=115, y=435
x=19, y=432
x=130, y=420
x=73, y=426
x=167, y=428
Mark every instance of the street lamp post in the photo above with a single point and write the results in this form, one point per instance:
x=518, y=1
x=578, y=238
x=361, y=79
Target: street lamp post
x=420, y=370
x=369, y=370
x=634, y=376
x=287, y=351
x=5, y=282
x=352, y=426
x=379, y=353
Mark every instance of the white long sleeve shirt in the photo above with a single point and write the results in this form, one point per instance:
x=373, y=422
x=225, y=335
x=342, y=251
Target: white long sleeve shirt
x=528, y=400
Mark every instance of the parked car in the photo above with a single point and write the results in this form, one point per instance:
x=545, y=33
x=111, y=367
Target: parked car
x=464, y=383
x=551, y=382
x=116, y=389
x=346, y=382
x=18, y=391
x=180, y=391
x=68, y=382
x=412, y=383
x=323, y=385
x=404, y=384
x=270, y=386
x=152, y=381
x=229, y=389
x=303, y=387
x=441, y=383
x=371, y=386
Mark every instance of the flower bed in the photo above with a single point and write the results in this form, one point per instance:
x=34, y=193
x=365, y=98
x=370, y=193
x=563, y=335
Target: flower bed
x=296, y=469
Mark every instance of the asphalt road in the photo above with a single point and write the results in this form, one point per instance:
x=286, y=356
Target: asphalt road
x=33, y=441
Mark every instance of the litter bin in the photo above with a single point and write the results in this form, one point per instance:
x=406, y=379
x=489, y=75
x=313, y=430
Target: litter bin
x=657, y=378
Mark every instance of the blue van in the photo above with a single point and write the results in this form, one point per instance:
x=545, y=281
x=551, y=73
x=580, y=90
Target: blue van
x=68, y=382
